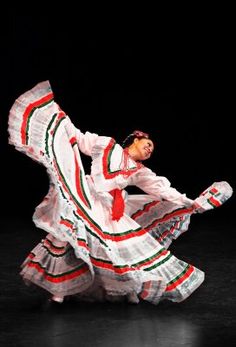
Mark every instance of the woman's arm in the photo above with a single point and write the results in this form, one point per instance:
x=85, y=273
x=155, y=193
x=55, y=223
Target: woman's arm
x=85, y=141
x=160, y=188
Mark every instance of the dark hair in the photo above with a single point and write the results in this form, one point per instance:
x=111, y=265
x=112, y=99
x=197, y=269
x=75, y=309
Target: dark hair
x=135, y=134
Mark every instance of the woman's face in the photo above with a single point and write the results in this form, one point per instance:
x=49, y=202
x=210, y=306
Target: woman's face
x=142, y=148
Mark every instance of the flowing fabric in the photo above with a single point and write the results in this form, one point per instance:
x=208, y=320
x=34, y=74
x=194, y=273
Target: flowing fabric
x=88, y=250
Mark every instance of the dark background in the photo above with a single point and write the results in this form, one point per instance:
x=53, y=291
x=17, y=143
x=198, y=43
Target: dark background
x=113, y=69
x=111, y=75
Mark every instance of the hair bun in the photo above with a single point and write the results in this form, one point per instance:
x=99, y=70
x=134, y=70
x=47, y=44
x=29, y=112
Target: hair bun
x=139, y=133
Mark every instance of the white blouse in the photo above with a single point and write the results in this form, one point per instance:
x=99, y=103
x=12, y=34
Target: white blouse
x=108, y=170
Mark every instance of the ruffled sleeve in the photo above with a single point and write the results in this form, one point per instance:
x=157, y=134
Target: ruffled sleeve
x=159, y=187
x=86, y=141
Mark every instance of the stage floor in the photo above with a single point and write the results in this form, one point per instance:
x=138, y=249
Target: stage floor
x=207, y=318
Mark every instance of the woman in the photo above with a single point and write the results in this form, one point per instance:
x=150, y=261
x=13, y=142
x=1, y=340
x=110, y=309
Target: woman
x=103, y=244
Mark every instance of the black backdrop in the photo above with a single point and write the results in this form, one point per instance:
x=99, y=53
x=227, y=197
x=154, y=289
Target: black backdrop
x=171, y=80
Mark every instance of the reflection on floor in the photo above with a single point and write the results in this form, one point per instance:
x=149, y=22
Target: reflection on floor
x=207, y=318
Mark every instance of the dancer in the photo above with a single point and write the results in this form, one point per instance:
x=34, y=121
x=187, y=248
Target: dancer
x=103, y=243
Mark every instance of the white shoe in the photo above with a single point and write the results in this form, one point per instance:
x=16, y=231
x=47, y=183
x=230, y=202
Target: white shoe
x=133, y=298
x=56, y=298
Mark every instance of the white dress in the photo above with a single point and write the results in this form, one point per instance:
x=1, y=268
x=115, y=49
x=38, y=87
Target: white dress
x=86, y=252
